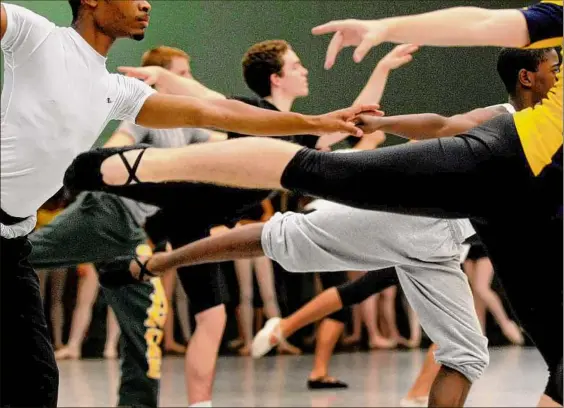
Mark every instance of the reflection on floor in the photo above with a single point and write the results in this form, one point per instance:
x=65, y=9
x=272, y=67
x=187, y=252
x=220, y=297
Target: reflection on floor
x=515, y=377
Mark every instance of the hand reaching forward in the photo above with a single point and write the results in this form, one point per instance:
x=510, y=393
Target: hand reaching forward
x=344, y=120
x=360, y=33
x=150, y=75
x=399, y=56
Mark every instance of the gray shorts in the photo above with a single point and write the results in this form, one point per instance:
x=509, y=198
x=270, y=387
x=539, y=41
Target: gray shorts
x=425, y=251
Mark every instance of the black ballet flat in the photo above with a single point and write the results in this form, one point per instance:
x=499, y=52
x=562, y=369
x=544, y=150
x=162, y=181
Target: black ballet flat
x=84, y=172
x=117, y=273
x=323, y=383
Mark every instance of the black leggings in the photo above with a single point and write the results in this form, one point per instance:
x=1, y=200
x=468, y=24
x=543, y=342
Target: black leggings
x=371, y=283
x=335, y=280
x=216, y=205
x=520, y=223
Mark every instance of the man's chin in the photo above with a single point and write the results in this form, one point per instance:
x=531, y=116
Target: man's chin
x=138, y=37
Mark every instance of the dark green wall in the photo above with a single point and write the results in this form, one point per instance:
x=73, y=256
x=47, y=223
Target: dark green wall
x=217, y=33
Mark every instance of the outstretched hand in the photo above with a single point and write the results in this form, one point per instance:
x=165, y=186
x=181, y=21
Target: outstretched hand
x=360, y=33
x=399, y=56
x=345, y=120
x=149, y=75
x=369, y=123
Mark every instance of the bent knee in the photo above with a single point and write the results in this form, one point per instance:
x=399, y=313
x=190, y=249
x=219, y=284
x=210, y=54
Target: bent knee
x=212, y=320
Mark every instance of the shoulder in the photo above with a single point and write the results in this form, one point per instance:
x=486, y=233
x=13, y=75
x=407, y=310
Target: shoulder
x=544, y=22
x=18, y=14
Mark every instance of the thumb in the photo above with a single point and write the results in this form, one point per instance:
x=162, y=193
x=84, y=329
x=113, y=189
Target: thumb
x=351, y=129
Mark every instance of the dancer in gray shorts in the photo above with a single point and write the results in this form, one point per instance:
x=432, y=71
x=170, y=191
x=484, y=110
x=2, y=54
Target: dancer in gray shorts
x=425, y=251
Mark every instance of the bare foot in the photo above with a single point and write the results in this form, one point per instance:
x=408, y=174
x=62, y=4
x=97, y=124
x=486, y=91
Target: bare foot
x=287, y=348
x=513, y=333
x=174, y=348
x=409, y=343
x=235, y=344
x=350, y=340
x=67, y=353
x=379, y=342
x=110, y=354
x=244, y=351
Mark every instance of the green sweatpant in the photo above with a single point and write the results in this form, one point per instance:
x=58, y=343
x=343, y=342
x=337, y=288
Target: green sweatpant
x=97, y=227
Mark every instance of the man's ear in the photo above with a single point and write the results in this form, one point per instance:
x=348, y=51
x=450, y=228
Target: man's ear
x=274, y=79
x=525, y=78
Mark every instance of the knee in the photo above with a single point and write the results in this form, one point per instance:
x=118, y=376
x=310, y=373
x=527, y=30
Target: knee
x=470, y=360
x=481, y=291
x=245, y=296
x=269, y=299
x=212, y=321
x=389, y=294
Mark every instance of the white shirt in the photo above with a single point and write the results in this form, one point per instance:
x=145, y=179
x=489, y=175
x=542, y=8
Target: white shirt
x=57, y=98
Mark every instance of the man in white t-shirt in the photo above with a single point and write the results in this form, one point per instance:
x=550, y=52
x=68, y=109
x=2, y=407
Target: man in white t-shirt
x=56, y=99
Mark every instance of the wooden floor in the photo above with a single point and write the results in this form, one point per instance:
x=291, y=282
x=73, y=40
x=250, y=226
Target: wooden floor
x=515, y=377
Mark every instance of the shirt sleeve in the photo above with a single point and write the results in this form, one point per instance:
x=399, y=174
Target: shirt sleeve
x=544, y=22
x=25, y=31
x=138, y=133
x=130, y=97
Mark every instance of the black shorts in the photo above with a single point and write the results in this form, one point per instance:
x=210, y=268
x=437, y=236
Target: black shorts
x=205, y=284
x=476, y=252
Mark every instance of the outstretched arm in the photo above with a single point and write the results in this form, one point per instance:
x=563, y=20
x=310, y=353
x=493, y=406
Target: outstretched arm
x=429, y=125
x=458, y=26
x=373, y=91
x=168, y=111
x=374, y=88
x=239, y=243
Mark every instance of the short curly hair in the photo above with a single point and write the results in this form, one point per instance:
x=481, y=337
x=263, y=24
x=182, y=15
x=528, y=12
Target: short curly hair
x=260, y=62
x=512, y=60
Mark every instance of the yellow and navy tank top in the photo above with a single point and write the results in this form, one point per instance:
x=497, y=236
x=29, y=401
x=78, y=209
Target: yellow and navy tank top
x=540, y=127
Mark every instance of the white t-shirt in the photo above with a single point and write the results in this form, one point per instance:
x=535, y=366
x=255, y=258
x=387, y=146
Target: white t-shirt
x=57, y=98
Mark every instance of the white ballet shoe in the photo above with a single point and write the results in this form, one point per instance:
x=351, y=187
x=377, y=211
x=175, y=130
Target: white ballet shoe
x=414, y=402
x=261, y=343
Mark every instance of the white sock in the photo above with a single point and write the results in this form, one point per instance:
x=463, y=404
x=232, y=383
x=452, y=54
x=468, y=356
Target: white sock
x=202, y=404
